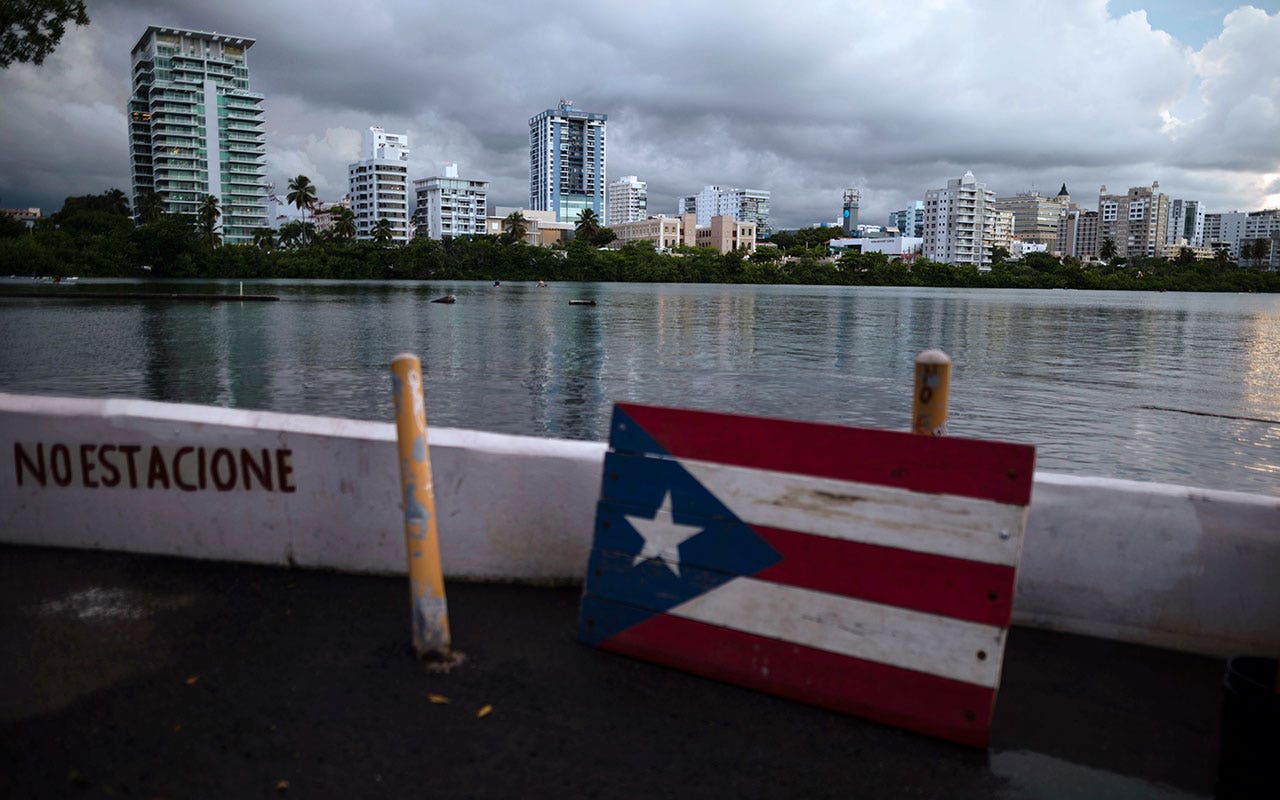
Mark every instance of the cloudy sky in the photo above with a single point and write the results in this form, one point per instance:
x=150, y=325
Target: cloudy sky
x=800, y=98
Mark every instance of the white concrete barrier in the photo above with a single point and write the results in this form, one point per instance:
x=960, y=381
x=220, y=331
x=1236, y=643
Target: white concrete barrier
x=1151, y=563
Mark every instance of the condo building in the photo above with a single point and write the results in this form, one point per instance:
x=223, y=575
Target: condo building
x=450, y=206
x=960, y=223
x=1136, y=221
x=909, y=221
x=195, y=129
x=567, y=162
x=627, y=200
x=379, y=184
x=742, y=205
x=1078, y=234
x=1235, y=228
x=1186, y=221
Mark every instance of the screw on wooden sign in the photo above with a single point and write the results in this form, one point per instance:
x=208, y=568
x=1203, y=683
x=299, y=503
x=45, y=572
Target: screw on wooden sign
x=933, y=391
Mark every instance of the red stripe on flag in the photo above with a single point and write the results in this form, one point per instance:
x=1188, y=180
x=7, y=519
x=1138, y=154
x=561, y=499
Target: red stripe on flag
x=998, y=471
x=952, y=587
x=948, y=709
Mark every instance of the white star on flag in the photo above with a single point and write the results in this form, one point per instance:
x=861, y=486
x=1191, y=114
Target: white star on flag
x=662, y=536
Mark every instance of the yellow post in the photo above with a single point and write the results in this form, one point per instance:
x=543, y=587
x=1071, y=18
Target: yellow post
x=933, y=390
x=426, y=579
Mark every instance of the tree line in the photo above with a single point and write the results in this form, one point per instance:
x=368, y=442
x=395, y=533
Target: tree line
x=97, y=236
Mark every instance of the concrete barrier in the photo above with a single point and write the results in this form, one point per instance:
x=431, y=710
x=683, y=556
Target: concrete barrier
x=1151, y=563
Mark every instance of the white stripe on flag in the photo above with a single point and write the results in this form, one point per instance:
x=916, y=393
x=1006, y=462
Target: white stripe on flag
x=946, y=525
x=951, y=648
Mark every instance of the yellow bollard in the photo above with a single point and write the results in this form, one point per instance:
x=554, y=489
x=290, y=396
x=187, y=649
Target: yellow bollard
x=933, y=390
x=426, y=578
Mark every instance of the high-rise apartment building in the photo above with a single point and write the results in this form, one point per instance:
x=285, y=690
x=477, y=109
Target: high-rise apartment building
x=1078, y=233
x=1235, y=228
x=195, y=129
x=960, y=222
x=627, y=200
x=379, y=184
x=567, y=162
x=1137, y=222
x=743, y=205
x=450, y=206
x=1036, y=217
x=909, y=221
x=1186, y=222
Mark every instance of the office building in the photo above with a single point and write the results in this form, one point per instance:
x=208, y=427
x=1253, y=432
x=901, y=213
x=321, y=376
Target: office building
x=195, y=129
x=1137, y=222
x=960, y=222
x=379, y=184
x=450, y=206
x=743, y=205
x=567, y=162
x=627, y=200
x=1036, y=217
x=723, y=233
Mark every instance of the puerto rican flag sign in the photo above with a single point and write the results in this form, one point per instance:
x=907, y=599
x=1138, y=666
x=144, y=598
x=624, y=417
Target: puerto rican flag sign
x=867, y=571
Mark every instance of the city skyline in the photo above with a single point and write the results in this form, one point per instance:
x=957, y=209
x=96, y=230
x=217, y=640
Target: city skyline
x=893, y=99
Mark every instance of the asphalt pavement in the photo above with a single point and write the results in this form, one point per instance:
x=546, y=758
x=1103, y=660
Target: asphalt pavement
x=145, y=677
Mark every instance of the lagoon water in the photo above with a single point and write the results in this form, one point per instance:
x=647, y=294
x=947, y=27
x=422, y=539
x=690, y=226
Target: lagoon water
x=1171, y=387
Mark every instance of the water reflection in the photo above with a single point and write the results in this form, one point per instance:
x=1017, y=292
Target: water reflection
x=1084, y=376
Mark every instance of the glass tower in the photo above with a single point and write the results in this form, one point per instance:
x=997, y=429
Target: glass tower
x=195, y=129
x=566, y=162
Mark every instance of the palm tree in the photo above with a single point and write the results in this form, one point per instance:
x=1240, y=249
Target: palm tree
x=515, y=227
x=208, y=215
x=291, y=233
x=302, y=193
x=264, y=238
x=588, y=223
x=344, y=222
x=382, y=231
x=150, y=208
x=1108, y=250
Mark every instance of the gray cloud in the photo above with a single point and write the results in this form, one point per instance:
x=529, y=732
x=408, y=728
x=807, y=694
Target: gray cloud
x=893, y=97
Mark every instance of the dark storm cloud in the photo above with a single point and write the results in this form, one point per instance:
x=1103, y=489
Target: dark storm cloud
x=892, y=97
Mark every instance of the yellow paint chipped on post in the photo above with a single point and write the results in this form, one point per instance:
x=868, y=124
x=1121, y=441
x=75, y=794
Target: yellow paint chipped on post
x=933, y=392
x=426, y=578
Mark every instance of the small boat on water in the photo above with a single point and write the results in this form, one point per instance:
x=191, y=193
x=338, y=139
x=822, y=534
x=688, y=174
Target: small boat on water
x=448, y=298
x=582, y=302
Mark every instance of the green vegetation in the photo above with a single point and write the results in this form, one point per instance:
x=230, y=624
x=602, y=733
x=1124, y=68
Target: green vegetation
x=31, y=29
x=95, y=236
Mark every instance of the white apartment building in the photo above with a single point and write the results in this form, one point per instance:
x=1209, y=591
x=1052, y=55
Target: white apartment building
x=450, y=206
x=1238, y=227
x=909, y=221
x=1186, y=221
x=743, y=205
x=960, y=222
x=195, y=129
x=567, y=162
x=626, y=201
x=379, y=184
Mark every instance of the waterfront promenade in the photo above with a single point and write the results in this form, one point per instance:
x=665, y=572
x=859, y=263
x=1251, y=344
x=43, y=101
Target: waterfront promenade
x=131, y=675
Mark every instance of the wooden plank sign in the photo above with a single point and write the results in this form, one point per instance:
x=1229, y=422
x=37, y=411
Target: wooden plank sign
x=867, y=571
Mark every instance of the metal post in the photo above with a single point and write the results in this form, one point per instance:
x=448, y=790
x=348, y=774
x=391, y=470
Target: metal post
x=933, y=390
x=426, y=578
